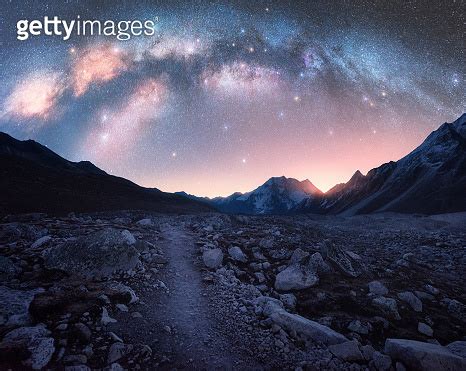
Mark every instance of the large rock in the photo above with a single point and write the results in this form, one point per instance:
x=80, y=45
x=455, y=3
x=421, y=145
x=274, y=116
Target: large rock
x=347, y=351
x=32, y=345
x=7, y=269
x=296, y=277
x=298, y=256
x=268, y=305
x=377, y=288
x=120, y=293
x=317, y=264
x=237, y=254
x=118, y=351
x=412, y=300
x=345, y=262
x=306, y=327
x=147, y=222
x=14, y=305
x=388, y=306
x=213, y=258
x=98, y=255
x=40, y=242
x=458, y=348
x=417, y=355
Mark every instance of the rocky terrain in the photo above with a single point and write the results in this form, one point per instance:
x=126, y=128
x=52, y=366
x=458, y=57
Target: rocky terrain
x=134, y=290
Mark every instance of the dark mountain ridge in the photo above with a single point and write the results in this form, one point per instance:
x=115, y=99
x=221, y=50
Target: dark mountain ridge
x=36, y=179
x=431, y=180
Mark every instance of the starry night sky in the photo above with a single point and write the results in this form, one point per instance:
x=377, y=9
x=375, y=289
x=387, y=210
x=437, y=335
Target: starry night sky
x=228, y=94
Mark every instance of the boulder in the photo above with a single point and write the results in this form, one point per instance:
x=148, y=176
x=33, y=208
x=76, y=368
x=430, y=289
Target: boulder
x=367, y=351
x=317, y=264
x=458, y=348
x=412, y=300
x=289, y=301
x=455, y=308
x=417, y=355
x=341, y=260
x=377, y=288
x=40, y=242
x=298, y=256
x=120, y=293
x=8, y=269
x=388, y=305
x=347, y=351
x=14, y=305
x=425, y=329
x=145, y=222
x=117, y=351
x=82, y=332
x=295, y=277
x=105, y=318
x=359, y=327
x=237, y=254
x=32, y=345
x=307, y=328
x=98, y=255
x=268, y=305
x=382, y=362
x=213, y=258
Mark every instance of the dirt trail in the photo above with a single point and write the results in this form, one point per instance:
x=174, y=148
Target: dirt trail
x=192, y=342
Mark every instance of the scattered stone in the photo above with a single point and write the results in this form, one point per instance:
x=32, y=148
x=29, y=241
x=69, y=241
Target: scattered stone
x=82, y=332
x=458, y=348
x=145, y=222
x=260, y=277
x=14, y=305
x=98, y=255
x=347, y=351
x=359, y=327
x=77, y=368
x=7, y=269
x=120, y=293
x=306, y=327
x=377, y=288
x=117, y=351
x=268, y=305
x=317, y=264
x=341, y=260
x=417, y=355
x=33, y=345
x=432, y=290
x=122, y=307
x=106, y=319
x=382, y=362
x=412, y=300
x=388, y=305
x=41, y=241
x=298, y=256
x=425, y=329
x=237, y=254
x=289, y=301
x=367, y=351
x=76, y=359
x=213, y=258
x=295, y=277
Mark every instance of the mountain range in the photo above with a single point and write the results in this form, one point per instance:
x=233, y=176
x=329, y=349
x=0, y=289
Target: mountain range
x=35, y=179
x=431, y=180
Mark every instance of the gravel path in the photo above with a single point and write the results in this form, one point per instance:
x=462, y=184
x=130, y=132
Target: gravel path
x=178, y=324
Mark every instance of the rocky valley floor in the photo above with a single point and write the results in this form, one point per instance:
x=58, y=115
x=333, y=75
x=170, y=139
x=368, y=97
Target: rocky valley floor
x=133, y=290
